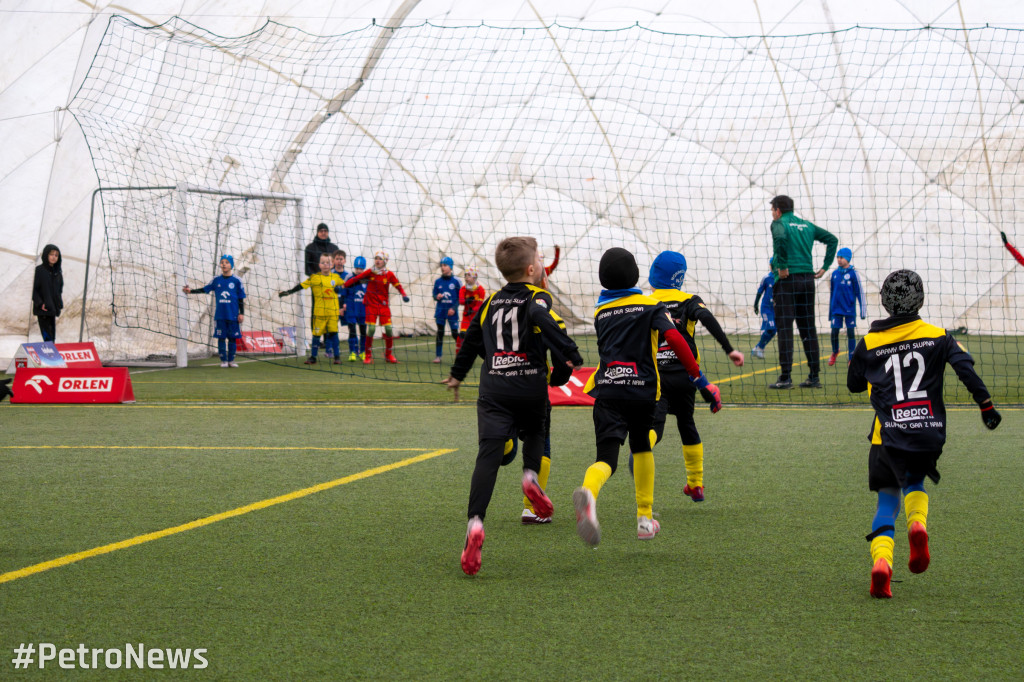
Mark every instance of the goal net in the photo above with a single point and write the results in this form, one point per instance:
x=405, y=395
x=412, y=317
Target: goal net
x=430, y=141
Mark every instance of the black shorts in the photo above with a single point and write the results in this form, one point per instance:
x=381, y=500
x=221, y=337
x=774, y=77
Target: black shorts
x=678, y=397
x=502, y=418
x=625, y=419
x=892, y=468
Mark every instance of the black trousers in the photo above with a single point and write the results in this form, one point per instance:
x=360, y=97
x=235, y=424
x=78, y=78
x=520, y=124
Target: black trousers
x=48, y=327
x=794, y=302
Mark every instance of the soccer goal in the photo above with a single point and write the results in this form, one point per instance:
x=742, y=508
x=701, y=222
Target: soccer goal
x=160, y=239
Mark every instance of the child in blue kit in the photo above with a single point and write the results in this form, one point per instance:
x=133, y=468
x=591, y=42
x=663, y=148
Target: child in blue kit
x=767, y=313
x=338, y=258
x=842, y=307
x=446, y=310
x=230, y=309
x=355, y=313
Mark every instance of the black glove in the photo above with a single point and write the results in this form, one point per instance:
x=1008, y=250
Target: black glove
x=282, y=294
x=5, y=390
x=560, y=374
x=755, y=310
x=991, y=417
x=1003, y=235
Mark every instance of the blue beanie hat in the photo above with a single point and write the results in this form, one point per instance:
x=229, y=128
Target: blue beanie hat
x=359, y=262
x=229, y=259
x=668, y=270
x=448, y=261
x=845, y=253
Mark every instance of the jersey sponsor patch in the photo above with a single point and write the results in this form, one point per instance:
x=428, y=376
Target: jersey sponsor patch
x=509, y=360
x=917, y=410
x=541, y=302
x=615, y=371
x=666, y=355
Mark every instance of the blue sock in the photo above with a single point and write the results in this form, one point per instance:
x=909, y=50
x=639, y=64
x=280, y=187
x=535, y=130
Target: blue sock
x=335, y=344
x=835, y=340
x=353, y=339
x=885, y=514
x=222, y=349
x=851, y=340
x=315, y=347
x=768, y=335
x=232, y=348
x=915, y=487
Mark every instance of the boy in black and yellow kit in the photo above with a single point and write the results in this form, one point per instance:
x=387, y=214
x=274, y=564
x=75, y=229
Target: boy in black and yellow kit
x=678, y=393
x=626, y=388
x=512, y=333
x=901, y=362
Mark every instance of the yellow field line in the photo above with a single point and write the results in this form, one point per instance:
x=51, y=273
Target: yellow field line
x=149, y=537
x=198, y=447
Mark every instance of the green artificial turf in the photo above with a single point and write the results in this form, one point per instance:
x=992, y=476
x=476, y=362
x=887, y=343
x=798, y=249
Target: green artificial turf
x=766, y=578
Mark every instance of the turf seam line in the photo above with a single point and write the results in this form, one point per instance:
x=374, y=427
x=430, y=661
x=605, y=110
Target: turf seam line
x=206, y=521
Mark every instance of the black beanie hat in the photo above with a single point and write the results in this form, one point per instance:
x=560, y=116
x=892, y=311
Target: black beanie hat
x=618, y=269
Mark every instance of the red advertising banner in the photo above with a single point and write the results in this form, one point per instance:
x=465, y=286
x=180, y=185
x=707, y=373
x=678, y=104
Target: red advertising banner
x=79, y=354
x=72, y=385
x=258, y=342
x=572, y=392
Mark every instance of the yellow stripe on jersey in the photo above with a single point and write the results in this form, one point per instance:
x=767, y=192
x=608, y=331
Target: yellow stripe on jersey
x=674, y=296
x=918, y=329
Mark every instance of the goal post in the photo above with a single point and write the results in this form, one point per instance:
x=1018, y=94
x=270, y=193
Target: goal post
x=182, y=192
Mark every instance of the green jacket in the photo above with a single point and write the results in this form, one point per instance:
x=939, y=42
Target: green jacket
x=793, y=241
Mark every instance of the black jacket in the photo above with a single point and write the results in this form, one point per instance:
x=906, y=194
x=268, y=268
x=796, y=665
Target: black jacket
x=314, y=250
x=48, y=287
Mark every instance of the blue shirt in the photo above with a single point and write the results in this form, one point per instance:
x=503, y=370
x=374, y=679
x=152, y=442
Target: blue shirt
x=767, y=288
x=342, y=292
x=354, y=306
x=846, y=291
x=448, y=287
x=229, y=291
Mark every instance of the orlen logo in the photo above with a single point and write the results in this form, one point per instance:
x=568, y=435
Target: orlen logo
x=620, y=370
x=77, y=355
x=264, y=342
x=85, y=384
x=908, y=412
x=506, y=360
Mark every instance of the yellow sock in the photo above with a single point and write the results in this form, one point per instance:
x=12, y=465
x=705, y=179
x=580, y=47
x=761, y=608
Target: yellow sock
x=881, y=548
x=597, y=475
x=542, y=480
x=693, y=457
x=508, y=446
x=653, y=438
x=643, y=480
x=915, y=505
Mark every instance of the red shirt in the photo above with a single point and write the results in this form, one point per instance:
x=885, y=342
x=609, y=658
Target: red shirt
x=377, y=292
x=472, y=299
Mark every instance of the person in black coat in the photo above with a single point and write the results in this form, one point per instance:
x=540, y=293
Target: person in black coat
x=47, y=290
x=321, y=244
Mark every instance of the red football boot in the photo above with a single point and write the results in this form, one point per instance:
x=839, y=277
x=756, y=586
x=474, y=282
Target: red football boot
x=919, y=556
x=880, y=577
x=471, y=560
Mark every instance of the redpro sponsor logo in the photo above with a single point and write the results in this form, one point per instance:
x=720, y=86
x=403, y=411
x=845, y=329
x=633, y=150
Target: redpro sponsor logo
x=506, y=360
x=666, y=353
x=620, y=370
x=912, y=411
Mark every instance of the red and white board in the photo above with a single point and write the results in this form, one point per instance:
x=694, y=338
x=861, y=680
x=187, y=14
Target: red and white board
x=79, y=354
x=72, y=385
x=572, y=392
x=258, y=342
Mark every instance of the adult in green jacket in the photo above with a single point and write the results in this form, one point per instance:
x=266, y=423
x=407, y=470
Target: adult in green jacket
x=793, y=243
